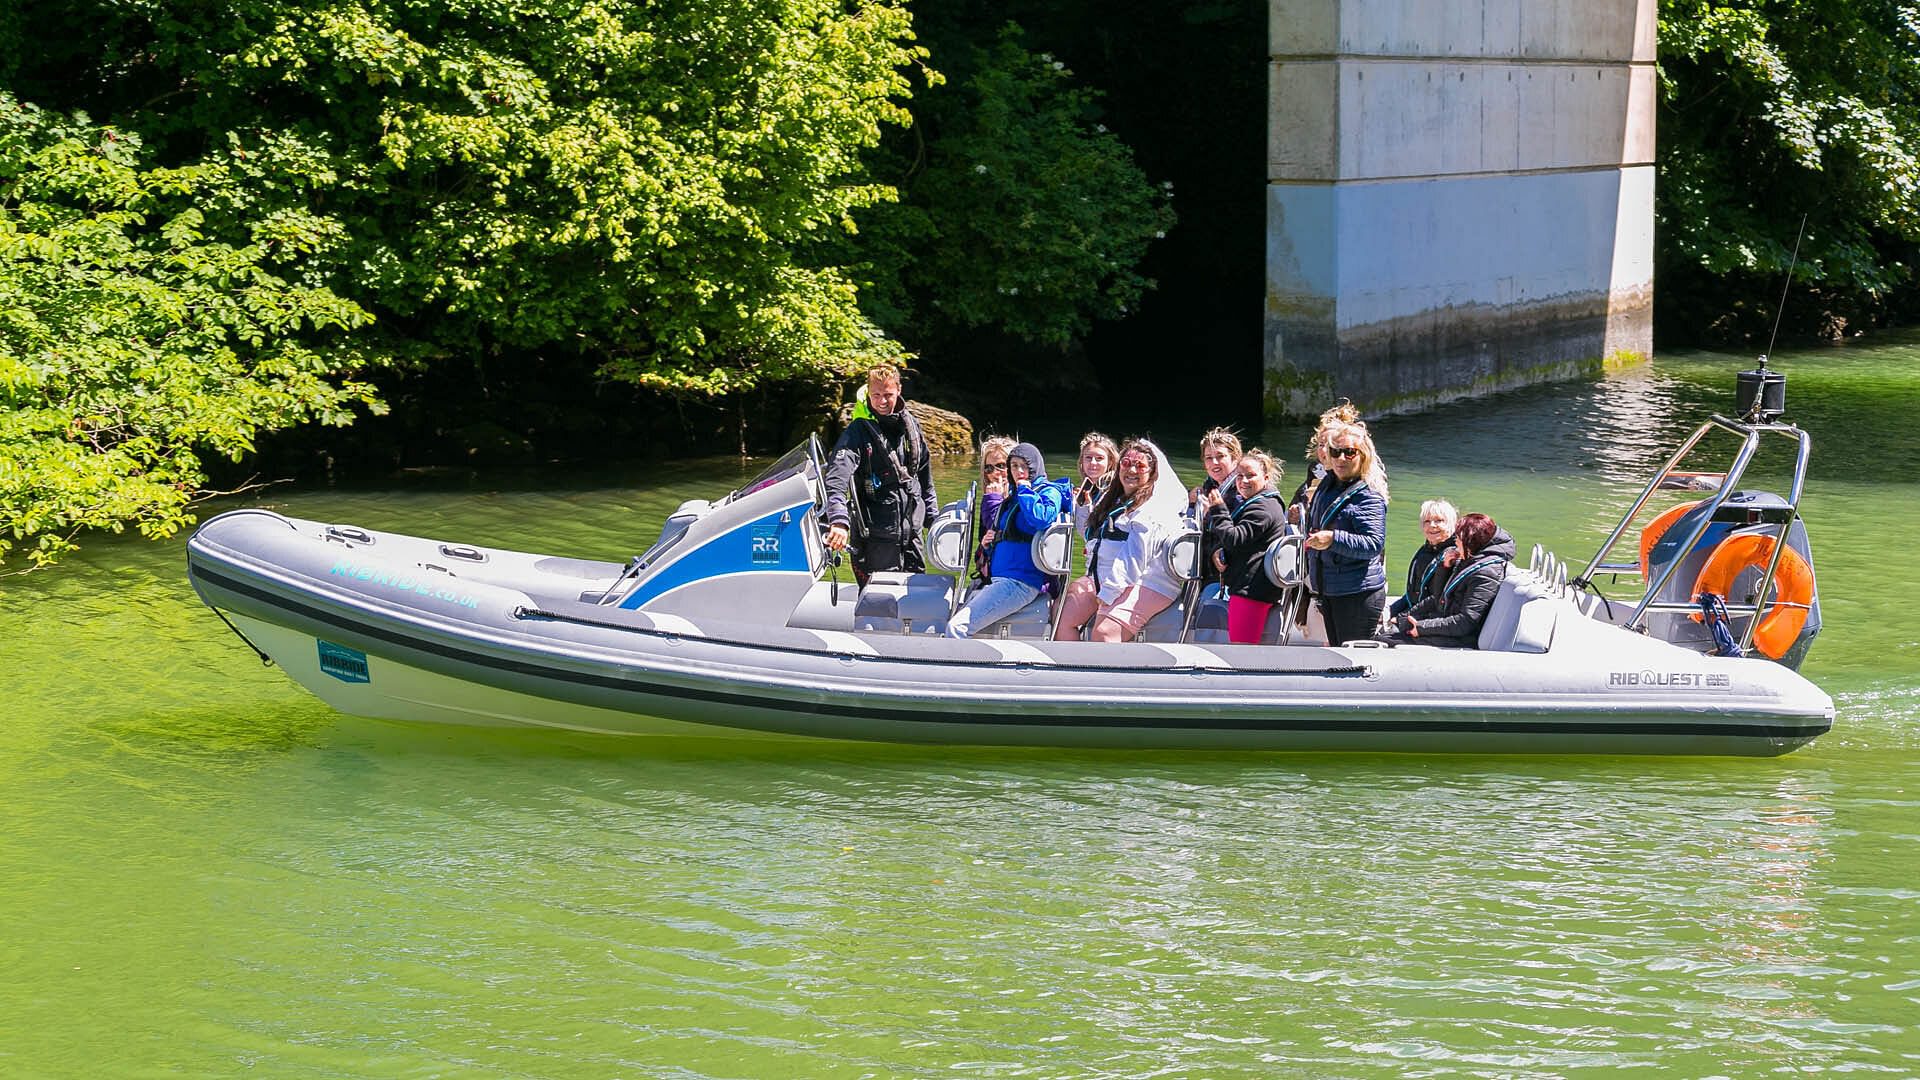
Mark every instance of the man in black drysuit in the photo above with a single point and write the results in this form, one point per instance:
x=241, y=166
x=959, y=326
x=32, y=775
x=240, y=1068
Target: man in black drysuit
x=882, y=460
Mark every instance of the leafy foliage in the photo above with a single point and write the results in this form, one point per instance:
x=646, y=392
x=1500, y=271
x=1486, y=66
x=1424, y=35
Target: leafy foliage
x=629, y=181
x=131, y=341
x=1775, y=108
x=1019, y=210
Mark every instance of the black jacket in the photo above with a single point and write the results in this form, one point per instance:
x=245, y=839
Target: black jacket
x=1243, y=535
x=1452, y=619
x=1427, y=574
x=885, y=462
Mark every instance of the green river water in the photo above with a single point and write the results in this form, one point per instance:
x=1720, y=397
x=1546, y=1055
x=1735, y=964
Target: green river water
x=205, y=872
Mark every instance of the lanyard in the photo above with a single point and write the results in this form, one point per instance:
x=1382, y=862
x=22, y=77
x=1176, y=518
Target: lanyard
x=1339, y=501
x=1420, y=590
x=1234, y=515
x=1099, y=536
x=1481, y=562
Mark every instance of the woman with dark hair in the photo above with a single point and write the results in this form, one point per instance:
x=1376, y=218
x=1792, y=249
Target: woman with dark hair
x=1346, y=525
x=1126, y=581
x=1452, y=618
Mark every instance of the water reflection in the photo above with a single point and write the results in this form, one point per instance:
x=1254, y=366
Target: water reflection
x=222, y=869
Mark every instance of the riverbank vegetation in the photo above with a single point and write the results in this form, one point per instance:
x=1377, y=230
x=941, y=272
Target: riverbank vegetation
x=1775, y=111
x=535, y=229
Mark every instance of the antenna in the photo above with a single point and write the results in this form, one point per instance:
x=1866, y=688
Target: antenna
x=1788, y=284
x=1760, y=396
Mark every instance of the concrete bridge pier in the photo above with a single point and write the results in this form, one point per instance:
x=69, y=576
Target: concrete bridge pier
x=1460, y=197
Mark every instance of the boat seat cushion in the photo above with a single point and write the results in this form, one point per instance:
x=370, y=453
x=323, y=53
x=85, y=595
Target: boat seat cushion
x=1522, y=616
x=904, y=603
x=1032, y=621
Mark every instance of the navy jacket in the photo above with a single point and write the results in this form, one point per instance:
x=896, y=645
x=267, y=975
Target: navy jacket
x=1358, y=517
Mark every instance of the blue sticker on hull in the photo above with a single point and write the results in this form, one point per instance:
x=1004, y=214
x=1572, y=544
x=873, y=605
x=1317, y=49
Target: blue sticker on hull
x=347, y=665
x=766, y=545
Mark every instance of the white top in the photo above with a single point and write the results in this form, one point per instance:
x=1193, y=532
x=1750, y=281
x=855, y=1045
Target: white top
x=1149, y=528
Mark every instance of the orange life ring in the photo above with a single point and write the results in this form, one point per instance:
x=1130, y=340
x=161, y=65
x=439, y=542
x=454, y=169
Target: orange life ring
x=1657, y=528
x=1792, y=587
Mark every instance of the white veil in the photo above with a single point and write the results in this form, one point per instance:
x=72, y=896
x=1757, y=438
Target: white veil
x=1168, y=503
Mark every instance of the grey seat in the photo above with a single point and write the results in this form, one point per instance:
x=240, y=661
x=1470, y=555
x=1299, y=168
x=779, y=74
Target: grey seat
x=895, y=603
x=1522, y=617
x=1033, y=621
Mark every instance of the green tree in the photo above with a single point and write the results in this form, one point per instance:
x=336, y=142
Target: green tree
x=132, y=343
x=631, y=182
x=1772, y=109
x=1019, y=210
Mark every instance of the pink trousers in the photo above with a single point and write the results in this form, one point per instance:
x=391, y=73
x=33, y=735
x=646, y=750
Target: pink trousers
x=1246, y=620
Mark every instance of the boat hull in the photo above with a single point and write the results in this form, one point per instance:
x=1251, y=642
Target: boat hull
x=373, y=636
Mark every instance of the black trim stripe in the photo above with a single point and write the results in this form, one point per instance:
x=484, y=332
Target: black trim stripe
x=1226, y=722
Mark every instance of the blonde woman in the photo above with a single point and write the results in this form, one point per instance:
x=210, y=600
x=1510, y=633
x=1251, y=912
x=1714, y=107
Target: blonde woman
x=1346, y=525
x=1099, y=459
x=1219, y=453
x=993, y=491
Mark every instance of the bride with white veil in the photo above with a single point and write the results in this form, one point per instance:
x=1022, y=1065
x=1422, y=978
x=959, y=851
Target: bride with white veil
x=1127, y=581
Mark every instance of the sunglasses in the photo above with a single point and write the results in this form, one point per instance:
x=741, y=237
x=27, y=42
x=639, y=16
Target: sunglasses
x=1001, y=467
x=1343, y=451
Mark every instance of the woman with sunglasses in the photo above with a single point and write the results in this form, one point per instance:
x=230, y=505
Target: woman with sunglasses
x=1346, y=525
x=1127, y=582
x=993, y=491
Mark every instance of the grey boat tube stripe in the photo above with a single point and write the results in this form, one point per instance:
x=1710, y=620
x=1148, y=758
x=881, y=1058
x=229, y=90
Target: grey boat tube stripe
x=1185, y=655
x=485, y=665
x=1035, y=655
x=668, y=623
x=1017, y=652
x=842, y=642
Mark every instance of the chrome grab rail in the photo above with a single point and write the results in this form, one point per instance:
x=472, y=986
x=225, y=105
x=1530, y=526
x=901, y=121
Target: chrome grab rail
x=1750, y=435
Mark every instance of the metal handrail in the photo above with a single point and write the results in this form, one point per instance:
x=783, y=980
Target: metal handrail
x=1634, y=510
x=1750, y=435
x=1677, y=608
x=1740, y=462
x=1780, y=542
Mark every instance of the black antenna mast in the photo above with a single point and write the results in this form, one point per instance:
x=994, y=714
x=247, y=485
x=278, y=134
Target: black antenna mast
x=1788, y=284
x=1760, y=396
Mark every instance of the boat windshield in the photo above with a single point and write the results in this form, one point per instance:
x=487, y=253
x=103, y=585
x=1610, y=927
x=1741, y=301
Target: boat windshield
x=795, y=462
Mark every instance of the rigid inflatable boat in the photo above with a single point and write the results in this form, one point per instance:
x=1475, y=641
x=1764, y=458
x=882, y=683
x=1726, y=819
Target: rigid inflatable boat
x=725, y=627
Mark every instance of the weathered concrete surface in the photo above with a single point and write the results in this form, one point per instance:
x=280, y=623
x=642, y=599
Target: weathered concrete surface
x=1460, y=196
